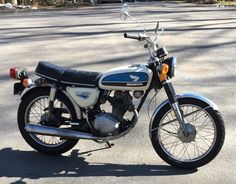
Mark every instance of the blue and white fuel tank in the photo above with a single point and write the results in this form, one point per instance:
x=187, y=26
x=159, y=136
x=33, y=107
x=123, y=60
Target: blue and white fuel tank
x=131, y=77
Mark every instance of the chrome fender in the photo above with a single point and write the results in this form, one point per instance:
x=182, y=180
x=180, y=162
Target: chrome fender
x=184, y=95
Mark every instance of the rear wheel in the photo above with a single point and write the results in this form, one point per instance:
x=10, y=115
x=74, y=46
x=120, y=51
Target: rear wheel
x=204, y=138
x=33, y=109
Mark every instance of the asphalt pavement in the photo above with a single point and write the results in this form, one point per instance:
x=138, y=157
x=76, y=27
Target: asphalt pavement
x=91, y=38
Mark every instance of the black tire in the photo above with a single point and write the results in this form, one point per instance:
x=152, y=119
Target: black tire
x=55, y=150
x=195, y=163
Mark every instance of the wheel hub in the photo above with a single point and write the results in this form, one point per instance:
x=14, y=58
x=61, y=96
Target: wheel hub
x=53, y=120
x=188, y=135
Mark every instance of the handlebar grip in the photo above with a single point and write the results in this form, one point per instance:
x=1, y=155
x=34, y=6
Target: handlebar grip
x=132, y=36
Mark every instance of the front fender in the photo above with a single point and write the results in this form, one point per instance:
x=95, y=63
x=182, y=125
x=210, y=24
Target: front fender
x=184, y=95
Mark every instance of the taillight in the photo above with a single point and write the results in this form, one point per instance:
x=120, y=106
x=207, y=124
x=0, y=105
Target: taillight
x=18, y=73
x=13, y=72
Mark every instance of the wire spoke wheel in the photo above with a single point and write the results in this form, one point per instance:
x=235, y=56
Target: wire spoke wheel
x=35, y=112
x=198, y=144
x=33, y=109
x=201, y=137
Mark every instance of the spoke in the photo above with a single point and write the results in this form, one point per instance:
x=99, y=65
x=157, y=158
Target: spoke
x=197, y=146
x=35, y=110
x=173, y=144
x=169, y=120
x=187, y=150
x=192, y=113
x=163, y=124
x=193, y=145
x=176, y=126
x=206, y=141
x=56, y=103
x=204, y=114
x=50, y=141
x=44, y=102
x=196, y=150
x=39, y=106
x=169, y=132
x=207, y=135
x=209, y=129
x=176, y=145
x=35, y=116
x=186, y=115
x=194, y=116
x=165, y=137
x=186, y=110
x=181, y=149
x=53, y=140
x=204, y=124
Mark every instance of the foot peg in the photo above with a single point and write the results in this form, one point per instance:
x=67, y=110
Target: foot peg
x=109, y=145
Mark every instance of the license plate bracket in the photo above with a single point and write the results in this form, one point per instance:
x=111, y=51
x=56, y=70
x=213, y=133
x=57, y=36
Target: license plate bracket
x=18, y=88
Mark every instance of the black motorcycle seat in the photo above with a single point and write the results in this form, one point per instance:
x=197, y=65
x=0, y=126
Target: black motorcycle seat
x=66, y=75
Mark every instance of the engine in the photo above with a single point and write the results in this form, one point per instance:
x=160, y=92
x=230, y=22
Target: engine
x=108, y=124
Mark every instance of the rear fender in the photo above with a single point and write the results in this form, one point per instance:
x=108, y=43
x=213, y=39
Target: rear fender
x=34, y=88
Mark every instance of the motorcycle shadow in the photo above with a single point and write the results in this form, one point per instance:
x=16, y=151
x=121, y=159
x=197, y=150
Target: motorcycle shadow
x=33, y=165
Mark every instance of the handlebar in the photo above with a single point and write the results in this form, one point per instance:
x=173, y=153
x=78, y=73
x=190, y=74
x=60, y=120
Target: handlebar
x=139, y=37
x=132, y=36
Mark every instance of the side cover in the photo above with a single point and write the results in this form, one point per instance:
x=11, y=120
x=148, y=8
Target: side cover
x=84, y=97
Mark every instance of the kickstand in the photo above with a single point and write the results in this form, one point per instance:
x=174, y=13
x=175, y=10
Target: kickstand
x=109, y=145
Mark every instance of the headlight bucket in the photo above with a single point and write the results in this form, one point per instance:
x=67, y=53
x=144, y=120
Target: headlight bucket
x=171, y=62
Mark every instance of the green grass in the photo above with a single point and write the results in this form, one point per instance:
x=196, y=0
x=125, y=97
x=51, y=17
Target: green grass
x=227, y=3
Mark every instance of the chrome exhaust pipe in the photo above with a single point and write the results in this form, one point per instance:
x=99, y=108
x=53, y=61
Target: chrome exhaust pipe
x=59, y=132
x=72, y=134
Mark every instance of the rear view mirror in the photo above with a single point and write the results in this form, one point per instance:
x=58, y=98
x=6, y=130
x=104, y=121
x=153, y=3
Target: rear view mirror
x=125, y=12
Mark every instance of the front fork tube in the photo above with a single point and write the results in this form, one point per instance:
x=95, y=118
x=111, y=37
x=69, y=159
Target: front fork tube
x=174, y=104
x=52, y=97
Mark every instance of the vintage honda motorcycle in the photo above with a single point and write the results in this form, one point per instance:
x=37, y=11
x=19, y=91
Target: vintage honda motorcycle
x=64, y=105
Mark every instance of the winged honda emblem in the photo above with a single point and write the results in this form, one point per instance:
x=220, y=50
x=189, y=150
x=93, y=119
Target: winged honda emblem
x=83, y=94
x=135, y=78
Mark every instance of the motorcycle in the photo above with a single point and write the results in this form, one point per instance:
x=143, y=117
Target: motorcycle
x=64, y=105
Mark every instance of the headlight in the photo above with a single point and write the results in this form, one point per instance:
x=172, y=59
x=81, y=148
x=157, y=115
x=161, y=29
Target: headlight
x=171, y=62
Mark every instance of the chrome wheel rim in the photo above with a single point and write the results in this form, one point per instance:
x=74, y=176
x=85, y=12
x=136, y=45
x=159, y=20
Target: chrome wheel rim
x=33, y=115
x=181, y=148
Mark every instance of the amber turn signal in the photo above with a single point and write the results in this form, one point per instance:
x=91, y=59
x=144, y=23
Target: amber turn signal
x=27, y=83
x=165, y=69
x=163, y=77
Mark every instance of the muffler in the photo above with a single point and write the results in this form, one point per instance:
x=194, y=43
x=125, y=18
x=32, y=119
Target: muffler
x=59, y=132
x=72, y=134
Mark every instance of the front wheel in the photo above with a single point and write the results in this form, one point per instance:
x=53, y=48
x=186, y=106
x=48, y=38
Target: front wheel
x=204, y=138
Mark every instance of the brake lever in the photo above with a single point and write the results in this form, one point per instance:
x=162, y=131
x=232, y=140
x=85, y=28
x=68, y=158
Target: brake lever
x=162, y=30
